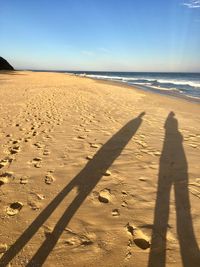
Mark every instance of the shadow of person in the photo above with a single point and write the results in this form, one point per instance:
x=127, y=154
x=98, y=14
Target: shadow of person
x=85, y=182
x=173, y=171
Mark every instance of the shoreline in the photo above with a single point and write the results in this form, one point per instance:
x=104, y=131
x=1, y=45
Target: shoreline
x=167, y=93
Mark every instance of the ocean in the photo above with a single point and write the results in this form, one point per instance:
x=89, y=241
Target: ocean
x=177, y=84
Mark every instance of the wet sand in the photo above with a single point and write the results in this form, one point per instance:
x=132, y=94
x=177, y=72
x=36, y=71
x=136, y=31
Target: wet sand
x=95, y=173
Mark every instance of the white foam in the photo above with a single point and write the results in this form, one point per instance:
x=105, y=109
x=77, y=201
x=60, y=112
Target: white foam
x=104, y=77
x=180, y=82
x=195, y=84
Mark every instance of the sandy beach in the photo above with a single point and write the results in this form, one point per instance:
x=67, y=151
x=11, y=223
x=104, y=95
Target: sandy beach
x=96, y=174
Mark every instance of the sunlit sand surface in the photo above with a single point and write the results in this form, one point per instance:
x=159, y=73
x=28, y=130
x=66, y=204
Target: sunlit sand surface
x=96, y=174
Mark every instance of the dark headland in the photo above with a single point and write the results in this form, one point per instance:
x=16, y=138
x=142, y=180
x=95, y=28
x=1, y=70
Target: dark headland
x=4, y=65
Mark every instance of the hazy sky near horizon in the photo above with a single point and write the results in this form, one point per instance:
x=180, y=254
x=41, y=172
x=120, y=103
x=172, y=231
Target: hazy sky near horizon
x=113, y=35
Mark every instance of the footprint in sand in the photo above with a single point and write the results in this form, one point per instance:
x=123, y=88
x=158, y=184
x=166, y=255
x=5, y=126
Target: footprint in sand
x=81, y=137
x=193, y=145
x=38, y=145
x=124, y=193
x=38, y=165
x=128, y=255
x=7, y=174
x=37, y=159
x=5, y=177
x=89, y=157
x=34, y=133
x=157, y=153
x=77, y=130
x=24, y=180
x=94, y=145
x=139, y=238
x=47, y=230
x=115, y=213
x=15, y=142
x=34, y=205
x=76, y=239
x=3, y=163
x=154, y=166
x=3, y=181
x=40, y=196
x=104, y=195
x=15, y=150
x=22, y=129
x=27, y=139
x=143, y=179
x=46, y=152
x=34, y=201
x=14, y=208
x=106, y=173
x=3, y=248
x=48, y=137
x=124, y=204
x=49, y=179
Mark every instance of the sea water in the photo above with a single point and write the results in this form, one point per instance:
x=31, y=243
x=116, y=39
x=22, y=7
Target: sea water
x=179, y=84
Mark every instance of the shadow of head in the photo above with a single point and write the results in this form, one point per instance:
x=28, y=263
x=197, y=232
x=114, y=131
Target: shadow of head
x=171, y=114
x=171, y=123
x=141, y=115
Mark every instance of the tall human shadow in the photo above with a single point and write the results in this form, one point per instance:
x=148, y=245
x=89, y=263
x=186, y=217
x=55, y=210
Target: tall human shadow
x=173, y=172
x=85, y=182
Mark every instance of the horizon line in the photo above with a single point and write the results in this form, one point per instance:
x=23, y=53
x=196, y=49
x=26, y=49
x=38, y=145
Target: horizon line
x=51, y=70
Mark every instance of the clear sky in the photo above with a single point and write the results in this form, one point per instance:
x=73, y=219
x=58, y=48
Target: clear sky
x=115, y=35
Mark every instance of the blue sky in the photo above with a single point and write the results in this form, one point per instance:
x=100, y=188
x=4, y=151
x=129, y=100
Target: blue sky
x=115, y=35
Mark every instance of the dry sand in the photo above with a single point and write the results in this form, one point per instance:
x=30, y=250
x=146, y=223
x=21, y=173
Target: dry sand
x=88, y=179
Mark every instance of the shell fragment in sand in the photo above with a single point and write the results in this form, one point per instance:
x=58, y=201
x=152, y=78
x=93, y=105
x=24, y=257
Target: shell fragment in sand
x=49, y=179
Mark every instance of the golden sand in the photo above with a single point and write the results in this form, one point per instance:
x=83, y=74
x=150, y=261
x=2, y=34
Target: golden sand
x=96, y=174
